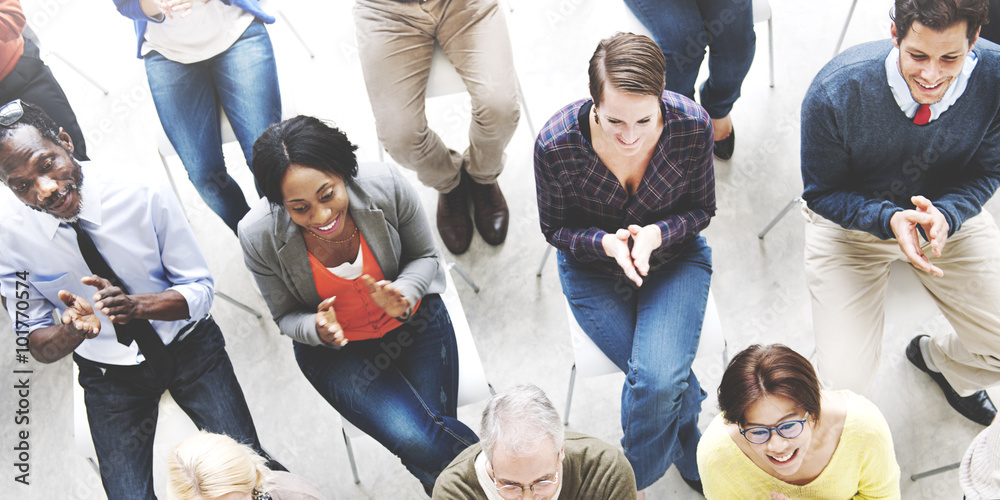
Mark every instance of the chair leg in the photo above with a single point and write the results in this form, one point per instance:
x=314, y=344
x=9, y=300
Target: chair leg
x=770, y=47
x=524, y=107
x=80, y=72
x=946, y=468
x=296, y=33
x=454, y=266
x=350, y=457
x=545, y=257
x=569, y=394
x=843, y=31
x=238, y=304
x=778, y=217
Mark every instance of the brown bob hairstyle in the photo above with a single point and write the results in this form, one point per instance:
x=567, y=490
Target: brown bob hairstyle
x=767, y=371
x=631, y=63
x=938, y=15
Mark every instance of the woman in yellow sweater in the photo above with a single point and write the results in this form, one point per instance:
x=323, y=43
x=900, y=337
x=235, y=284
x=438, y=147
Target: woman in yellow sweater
x=780, y=437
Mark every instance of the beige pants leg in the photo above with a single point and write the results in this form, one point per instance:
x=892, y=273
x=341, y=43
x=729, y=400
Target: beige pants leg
x=395, y=44
x=848, y=274
x=969, y=296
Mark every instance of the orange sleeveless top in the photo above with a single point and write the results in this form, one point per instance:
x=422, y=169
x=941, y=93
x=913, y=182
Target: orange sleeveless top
x=359, y=315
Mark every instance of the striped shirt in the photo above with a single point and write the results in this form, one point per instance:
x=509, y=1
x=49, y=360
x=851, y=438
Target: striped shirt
x=580, y=199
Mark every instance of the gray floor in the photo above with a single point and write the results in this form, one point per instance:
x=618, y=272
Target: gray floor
x=518, y=320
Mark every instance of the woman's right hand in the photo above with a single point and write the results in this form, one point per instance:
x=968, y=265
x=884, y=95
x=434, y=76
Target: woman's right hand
x=778, y=496
x=327, y=326
x=616, y=246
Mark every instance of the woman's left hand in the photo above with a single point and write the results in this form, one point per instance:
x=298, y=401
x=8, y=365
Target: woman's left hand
x=388, y=297
x=646, y=239
x=778, y=496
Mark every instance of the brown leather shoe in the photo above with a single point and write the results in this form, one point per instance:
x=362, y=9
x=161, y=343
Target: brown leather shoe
x=453, y=221
x=489, y=209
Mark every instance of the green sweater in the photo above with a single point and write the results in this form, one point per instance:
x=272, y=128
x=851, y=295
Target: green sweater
x=592, y=470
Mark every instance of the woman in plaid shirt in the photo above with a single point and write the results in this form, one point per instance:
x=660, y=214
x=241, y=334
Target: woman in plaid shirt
x=625, y=184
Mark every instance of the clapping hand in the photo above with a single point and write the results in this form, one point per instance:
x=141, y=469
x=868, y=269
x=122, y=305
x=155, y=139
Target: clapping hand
x=635, y=263
x=327, y=326
x=387, y=296
x=931, y=220
x=79, y=315
x=778, y=496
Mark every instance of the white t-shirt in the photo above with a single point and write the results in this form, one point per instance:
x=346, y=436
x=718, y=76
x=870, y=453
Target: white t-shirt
x=210, y=28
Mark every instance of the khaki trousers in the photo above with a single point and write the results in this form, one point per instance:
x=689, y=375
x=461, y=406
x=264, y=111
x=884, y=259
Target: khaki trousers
x=395, y=44
x=848, y=275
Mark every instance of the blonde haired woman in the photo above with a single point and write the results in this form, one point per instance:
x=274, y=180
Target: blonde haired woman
x=215, y=467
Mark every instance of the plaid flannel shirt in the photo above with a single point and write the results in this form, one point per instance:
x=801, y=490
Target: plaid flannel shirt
x=580, y=199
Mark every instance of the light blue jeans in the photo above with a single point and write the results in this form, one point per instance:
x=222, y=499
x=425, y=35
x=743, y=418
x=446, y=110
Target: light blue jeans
x=683, y=28
x=652, y=334
x=243, y=80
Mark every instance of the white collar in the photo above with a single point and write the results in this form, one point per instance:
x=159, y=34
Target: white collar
x=901, y=91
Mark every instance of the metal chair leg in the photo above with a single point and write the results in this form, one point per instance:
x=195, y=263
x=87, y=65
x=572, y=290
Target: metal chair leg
x=545, y=257
x=843, y=31
x=350, y=457
x=778, y=217
x=569, y=394
x=296, y=33
x=454, y=266
x=80, y=72
x=238, y=304
x=524, y=106
x=770, y=47
x=946, y=468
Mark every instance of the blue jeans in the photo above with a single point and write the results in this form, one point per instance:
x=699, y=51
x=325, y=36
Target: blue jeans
x=400, y=389
x=123, y=402
x=683, y=28
x=652, y=334
x=243, y=80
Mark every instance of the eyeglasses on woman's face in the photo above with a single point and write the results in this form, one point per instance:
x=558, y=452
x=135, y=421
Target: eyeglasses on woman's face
x=789, y=429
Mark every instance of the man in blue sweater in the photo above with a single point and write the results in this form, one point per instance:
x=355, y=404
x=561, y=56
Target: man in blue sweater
x=900, y=150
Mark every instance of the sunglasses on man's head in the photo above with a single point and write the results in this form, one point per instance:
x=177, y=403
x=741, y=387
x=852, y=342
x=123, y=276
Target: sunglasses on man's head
x=11, y=112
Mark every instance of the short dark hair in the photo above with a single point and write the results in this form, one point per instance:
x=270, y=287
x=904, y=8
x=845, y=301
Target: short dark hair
x=33, y=116
x=305, y=141
x=631, y=63
x=762, y=371
x=938, y=15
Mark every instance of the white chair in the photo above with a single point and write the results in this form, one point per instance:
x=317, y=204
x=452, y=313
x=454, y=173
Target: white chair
x=590, y=361
x=172, y=427
x=472, y=384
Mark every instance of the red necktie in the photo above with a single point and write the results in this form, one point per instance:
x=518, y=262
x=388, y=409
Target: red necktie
x=923, y=114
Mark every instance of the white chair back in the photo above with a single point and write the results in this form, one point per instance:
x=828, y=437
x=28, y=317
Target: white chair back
x=591, y=361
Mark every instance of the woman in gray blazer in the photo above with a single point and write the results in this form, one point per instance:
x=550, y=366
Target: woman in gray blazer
x=346, y=262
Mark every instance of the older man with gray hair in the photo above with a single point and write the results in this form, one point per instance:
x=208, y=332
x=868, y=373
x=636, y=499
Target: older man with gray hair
x=525, y=451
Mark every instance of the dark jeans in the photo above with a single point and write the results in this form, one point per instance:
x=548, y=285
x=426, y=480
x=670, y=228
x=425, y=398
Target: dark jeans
x=683, y=28
x=123, y=401
x=32, y=81
x=400, y=389
x=242, y=81
x=651, y=333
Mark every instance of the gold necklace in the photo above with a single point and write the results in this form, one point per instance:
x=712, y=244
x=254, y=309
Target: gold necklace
x=338, y=242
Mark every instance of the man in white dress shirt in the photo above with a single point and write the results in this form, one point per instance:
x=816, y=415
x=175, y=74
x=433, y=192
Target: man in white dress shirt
x=120, y=264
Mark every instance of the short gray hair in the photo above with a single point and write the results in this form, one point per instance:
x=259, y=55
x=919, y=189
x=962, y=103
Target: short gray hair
x=520, y=419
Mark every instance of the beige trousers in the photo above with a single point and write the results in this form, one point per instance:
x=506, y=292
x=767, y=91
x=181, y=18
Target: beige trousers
x=395, y=44
x=848, y=275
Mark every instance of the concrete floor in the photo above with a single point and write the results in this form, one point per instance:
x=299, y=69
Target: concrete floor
x=518, y=320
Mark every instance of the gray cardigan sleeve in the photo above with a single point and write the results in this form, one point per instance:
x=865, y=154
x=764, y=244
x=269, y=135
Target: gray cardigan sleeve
x=292, y=317
x=419, y=260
